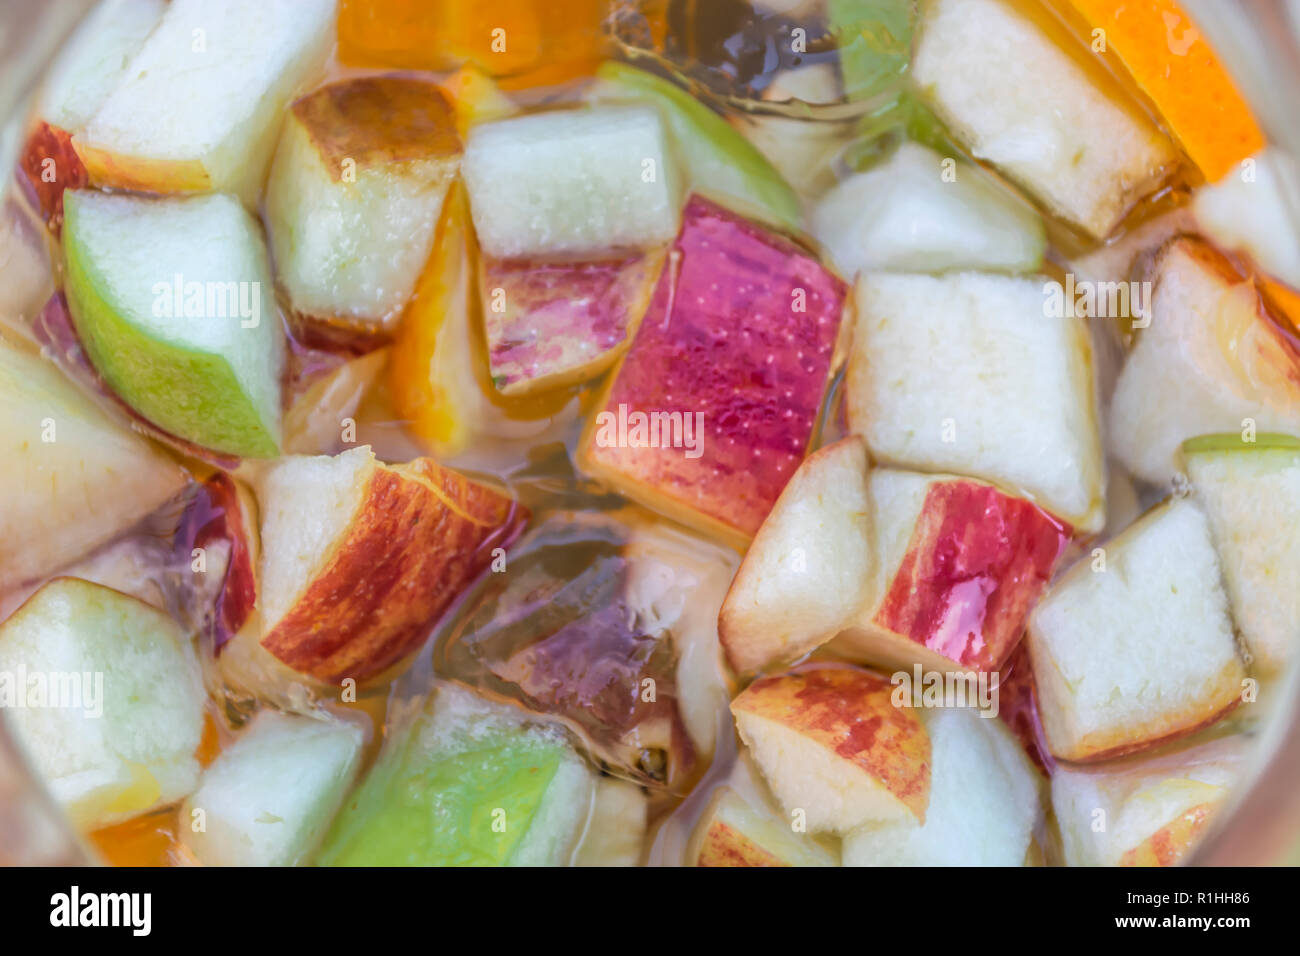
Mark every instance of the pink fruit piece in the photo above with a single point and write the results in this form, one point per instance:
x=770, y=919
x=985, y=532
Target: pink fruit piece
x=728, y=370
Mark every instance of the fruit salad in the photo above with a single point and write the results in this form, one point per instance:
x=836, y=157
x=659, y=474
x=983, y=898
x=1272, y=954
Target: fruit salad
x=828, y=433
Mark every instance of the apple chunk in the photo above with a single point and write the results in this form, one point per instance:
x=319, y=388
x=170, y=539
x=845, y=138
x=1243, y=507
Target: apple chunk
x=985, y=801
x=712, y=408
x=1152, y=808
x=733, y=833
x=416, y=534
x=470, y=783
x=1138, y=649
x=83, y=74
x=808, y=568
x=1250, y=213
x=172, y=300
x=572, y=183
x=104, y=693
x=1212, y=357
x=1251, y=493
x=1028, y=107
x=268, y=799
x=972, y=374
x=616, y=833
x=830, y=741
x=958, y=565
x=904, y=215
x=358, y=179
x=73, y=478
x=552, y=324
x=199, y=105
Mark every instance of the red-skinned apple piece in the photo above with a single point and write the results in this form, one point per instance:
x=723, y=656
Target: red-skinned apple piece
x=736, y=349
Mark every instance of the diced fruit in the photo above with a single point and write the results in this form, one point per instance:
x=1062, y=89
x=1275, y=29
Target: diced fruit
x=617, y=829
x=733, y=833
x=198, y=107
x=438, y=370
x=572, y=183
x=1026, y=106
x=830, y=742
x=469, y=784
x=1018, y=708
x=173, y=302
x=314, y=425
x=901, y=216
x=1144, y=811
x=717, y=160
x=549, y=325
x=86, y=70
x=593, y=632
x=417, y=534
x=1251, y=494
x=1211, y=358
x=73, y=478
x=355, y=189
x=1178, y=71
x=958, y=566
x=476, y=99
x=93, y=61
x=1139, y=649
x=735, y=354
x=105, y=695
x=973, y=374
x=1246, y=210
x=809, y=567
x=984, y=806
x=269, y=798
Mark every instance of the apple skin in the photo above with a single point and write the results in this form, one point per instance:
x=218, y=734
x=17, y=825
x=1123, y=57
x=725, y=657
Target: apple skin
x=970, y=534
x=724, y=845
x=223, y=510
x=564, y=322
x=850, y=713
x=424, y=533
x=1167, y=845
x=1018, y=708
x=720, y=339
x=48, y=142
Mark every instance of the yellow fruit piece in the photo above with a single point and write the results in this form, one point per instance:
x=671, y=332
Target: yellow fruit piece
x=476, y=98
x=1177, y=69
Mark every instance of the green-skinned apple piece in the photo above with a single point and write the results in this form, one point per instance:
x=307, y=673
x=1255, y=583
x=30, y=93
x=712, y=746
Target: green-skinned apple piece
x=905, y=215
x=875, y=38
x=1251, y=493
x=718, y=160
x=270, y=797
x=73, y=478
x=105, y=696
x=172, y=300
x=470, y=783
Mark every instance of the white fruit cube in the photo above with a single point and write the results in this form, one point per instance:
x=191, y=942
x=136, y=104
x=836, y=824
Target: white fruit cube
x=974, y=374
x=1211, y=361
x=572, y=182
x=1019, y=101
x=616, y=831
x=198, y=108
x=268, y=799
x=1135, y=645
x=809, y=566
x=1251, y=493
x=1144, y=811
x=104, y=693
x=355, y=190
x=1247, y=210
x=905, y=215
x=92, y=62
x=72, y=477
x=985, y=801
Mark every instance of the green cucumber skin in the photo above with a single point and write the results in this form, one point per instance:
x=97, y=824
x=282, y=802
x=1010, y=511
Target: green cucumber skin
x=158, y=379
